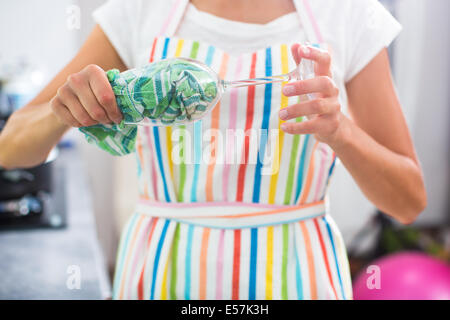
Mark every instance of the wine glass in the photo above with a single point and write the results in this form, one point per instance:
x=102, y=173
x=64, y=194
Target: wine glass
x=185, y=90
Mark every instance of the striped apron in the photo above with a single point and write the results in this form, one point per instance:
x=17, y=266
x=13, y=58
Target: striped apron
x=230, y=206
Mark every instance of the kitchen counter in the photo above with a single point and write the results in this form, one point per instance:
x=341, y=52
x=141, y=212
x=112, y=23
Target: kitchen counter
x=42, y=263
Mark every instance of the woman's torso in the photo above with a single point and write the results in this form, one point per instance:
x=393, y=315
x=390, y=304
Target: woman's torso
x=304, y=259
x=221, y=162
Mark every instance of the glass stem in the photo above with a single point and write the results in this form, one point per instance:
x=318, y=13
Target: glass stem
x=257, y=81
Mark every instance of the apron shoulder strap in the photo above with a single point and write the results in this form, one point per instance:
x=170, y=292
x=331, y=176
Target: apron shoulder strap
x=174, y=17
x=309, y=21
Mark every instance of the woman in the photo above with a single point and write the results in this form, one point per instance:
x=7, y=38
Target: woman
x=244, y=230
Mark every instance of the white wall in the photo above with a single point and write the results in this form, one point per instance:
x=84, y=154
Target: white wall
x=423, y=75
x=37, y=30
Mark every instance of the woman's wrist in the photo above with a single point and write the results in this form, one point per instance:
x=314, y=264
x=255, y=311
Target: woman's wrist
x=342, y=136
x=55, y=122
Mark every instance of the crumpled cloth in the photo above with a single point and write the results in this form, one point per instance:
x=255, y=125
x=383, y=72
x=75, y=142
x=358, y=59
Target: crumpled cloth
x=166, y=92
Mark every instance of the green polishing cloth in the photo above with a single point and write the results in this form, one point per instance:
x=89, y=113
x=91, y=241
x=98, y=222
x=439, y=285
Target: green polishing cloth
x=166, y=92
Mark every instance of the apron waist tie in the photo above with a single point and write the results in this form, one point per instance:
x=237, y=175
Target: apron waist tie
x=231, y=215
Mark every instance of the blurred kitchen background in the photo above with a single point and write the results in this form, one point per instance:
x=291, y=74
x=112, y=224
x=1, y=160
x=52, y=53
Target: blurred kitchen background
x=38, y=38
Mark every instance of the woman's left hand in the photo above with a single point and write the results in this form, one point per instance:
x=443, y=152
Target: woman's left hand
x=324, y=111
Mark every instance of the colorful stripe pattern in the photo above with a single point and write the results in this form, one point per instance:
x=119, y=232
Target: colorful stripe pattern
x=163, y=259
x=266, y=166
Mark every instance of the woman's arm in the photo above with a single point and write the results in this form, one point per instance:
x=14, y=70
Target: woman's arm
x=35, y=129
x=375, y=145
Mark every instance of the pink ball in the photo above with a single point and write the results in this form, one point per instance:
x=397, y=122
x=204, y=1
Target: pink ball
x=404, y=276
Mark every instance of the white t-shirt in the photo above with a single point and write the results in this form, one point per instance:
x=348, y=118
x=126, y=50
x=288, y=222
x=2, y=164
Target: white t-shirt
x=355, y=30
x=237, y=37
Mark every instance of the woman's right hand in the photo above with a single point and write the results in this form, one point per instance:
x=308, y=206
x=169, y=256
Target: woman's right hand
x=86, y=99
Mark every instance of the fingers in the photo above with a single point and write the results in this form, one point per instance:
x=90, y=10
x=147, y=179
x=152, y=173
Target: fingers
x=64, y=115
x=296, y=53
x=86, y=99
x=311, y=107
x=321, y=58
x=323, y=85
x=79, y=84
x=323, y=125
x=98, y=81
x=71, y=102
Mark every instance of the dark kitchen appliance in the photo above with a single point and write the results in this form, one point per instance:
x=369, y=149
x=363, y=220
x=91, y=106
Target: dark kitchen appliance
x=32, y=197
